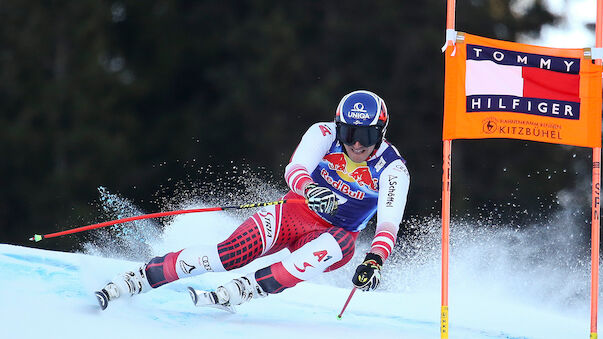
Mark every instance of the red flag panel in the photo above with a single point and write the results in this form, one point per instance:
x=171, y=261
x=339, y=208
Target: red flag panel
x=545, y=84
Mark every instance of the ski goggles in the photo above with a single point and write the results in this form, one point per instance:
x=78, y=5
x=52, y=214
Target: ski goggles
x=366, y=135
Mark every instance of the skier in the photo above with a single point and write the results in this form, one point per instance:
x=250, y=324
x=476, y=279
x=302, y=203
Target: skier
x=347, y=172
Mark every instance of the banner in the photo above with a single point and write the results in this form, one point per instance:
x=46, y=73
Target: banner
x=499, y=89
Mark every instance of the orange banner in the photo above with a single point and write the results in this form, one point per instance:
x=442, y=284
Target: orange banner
x=500, y=89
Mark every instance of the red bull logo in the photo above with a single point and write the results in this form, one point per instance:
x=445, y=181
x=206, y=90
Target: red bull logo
x=341, y=186
x=361, y=174
x=336, y=161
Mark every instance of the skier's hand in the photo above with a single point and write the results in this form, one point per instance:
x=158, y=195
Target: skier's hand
x=321, y=199
x=368, y=274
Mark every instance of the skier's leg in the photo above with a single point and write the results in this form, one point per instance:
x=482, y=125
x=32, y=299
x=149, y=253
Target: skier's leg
x=315, y=253
x=347, y=243
x=250, y=240
x=244, y=245
x=253, y=239
x=318, y=251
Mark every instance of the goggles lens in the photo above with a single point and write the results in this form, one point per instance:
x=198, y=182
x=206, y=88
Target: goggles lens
x=366, y=135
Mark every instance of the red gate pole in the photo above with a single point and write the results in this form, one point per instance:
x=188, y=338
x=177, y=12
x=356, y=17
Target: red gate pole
x=596, y=203
x=446, y=181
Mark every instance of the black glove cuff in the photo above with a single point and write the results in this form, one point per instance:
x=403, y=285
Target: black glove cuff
x=309, y=187
x=376, y=257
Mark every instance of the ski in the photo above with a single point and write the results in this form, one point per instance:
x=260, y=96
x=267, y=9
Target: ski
x=208, y=299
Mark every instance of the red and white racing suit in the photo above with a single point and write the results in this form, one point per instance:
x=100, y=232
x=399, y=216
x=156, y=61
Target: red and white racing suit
x=318, y=242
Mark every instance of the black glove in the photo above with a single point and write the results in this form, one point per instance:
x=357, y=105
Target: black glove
x=321, y=199
x=368, y=274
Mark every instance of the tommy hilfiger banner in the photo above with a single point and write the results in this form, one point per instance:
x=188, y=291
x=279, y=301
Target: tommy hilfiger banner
x=499, y=89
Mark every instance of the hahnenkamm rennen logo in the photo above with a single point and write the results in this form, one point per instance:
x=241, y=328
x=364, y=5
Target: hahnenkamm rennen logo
x=489, y=125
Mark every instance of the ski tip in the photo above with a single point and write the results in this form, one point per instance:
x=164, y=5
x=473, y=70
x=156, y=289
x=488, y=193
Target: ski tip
x=339, y=317
x=193, y=294
x=102, y=298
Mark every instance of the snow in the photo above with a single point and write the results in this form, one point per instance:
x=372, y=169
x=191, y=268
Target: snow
x=503, y=284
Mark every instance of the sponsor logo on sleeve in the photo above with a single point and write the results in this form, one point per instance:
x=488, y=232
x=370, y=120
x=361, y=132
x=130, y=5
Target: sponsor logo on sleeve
x=402, y=168
x=391, y=189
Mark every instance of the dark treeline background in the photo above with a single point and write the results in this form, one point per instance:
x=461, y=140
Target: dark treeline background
x=138, y=96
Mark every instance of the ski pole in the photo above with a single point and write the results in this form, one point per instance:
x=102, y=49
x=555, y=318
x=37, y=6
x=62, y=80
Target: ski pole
x=39, y=237
x=347, y=302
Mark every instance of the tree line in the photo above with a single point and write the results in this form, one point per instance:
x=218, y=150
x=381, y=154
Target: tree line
x=153, y=98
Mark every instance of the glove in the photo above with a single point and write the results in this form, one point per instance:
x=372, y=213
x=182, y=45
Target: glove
x=320, y=199
x=368, y=274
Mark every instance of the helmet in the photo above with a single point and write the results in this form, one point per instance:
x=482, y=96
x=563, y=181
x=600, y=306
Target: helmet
x=361, y=116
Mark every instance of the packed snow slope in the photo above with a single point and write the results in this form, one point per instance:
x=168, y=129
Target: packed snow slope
x=504, y=283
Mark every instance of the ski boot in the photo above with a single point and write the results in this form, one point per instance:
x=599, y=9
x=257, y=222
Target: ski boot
x=129, y=283
x=235, y=292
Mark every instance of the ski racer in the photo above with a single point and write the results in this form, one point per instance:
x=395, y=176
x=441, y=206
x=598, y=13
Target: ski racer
x=347, y=172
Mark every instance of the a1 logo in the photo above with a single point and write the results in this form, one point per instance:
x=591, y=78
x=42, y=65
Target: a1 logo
x=322, y=254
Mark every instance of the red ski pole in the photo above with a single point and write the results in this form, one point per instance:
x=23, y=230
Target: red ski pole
x=347, y=302
x=39, y=237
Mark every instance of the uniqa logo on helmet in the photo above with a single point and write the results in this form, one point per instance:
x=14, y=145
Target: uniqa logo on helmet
x=358, y=112
x=360, y=109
